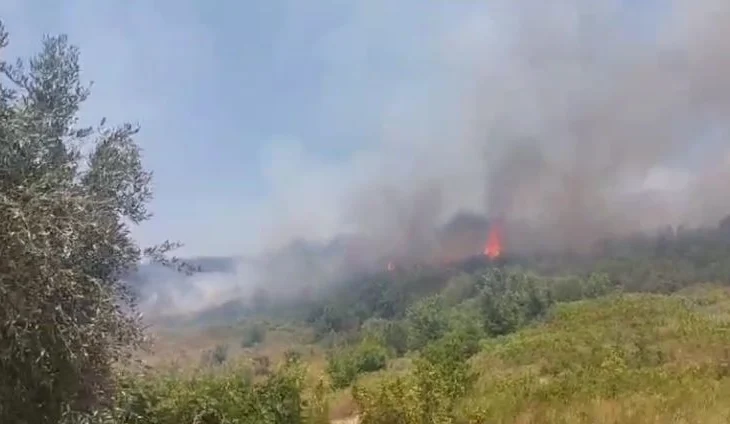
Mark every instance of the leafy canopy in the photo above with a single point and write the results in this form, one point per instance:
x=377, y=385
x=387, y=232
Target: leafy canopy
x=68, y=196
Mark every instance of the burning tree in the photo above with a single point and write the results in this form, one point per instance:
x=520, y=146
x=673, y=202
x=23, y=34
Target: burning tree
x=493, y=247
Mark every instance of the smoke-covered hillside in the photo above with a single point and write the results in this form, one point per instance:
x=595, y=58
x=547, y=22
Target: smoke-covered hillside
x=299, y=271
x=226, y=289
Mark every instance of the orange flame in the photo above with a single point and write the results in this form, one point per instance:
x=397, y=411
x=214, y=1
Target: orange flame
x=493, y=248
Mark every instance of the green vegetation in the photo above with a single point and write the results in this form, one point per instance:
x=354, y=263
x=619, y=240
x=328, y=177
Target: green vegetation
x=625, y=358
x=628, y=335
x=216, y=398
x=65, y=316
x=216, y=356
x=633, y=341
x=253, y=334
x=347, y=363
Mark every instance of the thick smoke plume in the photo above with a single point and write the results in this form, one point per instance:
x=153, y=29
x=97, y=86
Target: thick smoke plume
x=570, y=120
x=564, y=113
x=587, y=111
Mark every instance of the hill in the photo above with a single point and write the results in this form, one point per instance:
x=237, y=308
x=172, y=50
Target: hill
x=634, y=332
x=617, y=359
x=229, y=288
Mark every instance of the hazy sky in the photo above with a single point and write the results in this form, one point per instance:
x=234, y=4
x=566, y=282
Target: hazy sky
x=250, y=109
x=220, y=86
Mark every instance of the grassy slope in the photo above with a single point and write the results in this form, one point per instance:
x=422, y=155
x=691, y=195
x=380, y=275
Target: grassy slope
x=618, y=359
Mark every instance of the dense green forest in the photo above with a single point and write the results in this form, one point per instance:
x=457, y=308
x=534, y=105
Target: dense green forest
x=636, y=332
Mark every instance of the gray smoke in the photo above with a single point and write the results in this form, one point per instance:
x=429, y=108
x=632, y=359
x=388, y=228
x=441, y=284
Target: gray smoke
x=567, y=119
x=575, y=114
x=574, y=121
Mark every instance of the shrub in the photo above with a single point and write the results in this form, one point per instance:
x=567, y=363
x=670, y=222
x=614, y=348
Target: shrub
x=426, y=321
x=215, y=357
x=573, y=288
x=391, y=334
x=261, y=365
x=391, y=401
x=511, y=299
x=317, y=407
x=253, y=335
x=292, y=356
x=344, y=365
x=428, y=394
x=370, y=356
x=342, y=369
x=211, y=398
x=459, y=289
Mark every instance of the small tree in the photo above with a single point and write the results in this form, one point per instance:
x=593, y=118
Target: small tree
x=392, y=334
x=509, y=300
x=65, y=314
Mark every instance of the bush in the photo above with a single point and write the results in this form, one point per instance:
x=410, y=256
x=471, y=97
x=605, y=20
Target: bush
x=459, y=289
x=428, y=394
x=215, y=357
x=370, y=356
x=392, y=334
x=511, y=299
x=346, y=364
x=426, y=321
x=292, y=356
x=574, y=288
x=317, y=409
x=261, y=365
x=211, y=398
x=391, y=401
x=253, y=335
x=342, y=369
